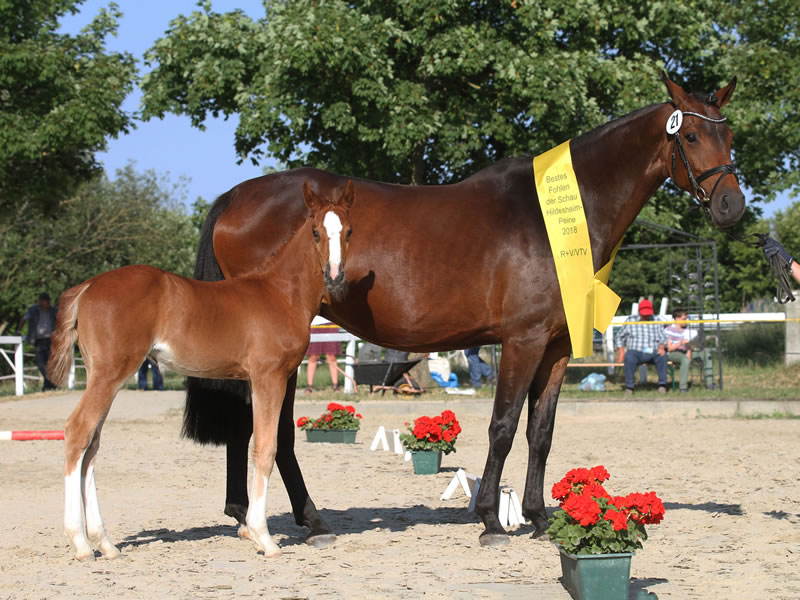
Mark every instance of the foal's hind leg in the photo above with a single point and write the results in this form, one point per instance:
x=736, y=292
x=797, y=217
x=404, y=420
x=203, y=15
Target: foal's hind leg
x=267, y=396
x=95, y=529
x=541, y=421
x=83, y=523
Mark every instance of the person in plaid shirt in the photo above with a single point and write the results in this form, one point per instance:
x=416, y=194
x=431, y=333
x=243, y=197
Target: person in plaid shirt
x=638, y=344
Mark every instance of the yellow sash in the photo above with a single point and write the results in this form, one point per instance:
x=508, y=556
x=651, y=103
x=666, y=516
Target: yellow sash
x=588, y=301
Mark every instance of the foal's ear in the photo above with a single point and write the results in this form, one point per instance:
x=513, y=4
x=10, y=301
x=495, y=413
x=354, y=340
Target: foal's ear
x=724, y=94
x=673, y=89
x=310, y=198
x=346, y=200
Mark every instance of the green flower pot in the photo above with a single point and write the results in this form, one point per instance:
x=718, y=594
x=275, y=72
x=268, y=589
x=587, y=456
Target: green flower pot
x=596, y=576
x=426, y=462
x=332, y=436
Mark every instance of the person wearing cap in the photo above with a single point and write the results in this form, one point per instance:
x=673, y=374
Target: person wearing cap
x=639, y=344
x=41, y=320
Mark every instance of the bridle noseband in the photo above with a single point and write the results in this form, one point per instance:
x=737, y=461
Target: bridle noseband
x=698, y=193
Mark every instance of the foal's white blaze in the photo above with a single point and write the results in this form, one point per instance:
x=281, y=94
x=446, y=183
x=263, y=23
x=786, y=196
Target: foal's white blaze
x=333, y=226
x=74, y=520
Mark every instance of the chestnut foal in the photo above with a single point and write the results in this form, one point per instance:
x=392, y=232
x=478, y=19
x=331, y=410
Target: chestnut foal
x=255, y=327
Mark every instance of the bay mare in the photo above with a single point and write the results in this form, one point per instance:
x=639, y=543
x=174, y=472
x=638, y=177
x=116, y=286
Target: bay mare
x=253, y=328
x=456, y=266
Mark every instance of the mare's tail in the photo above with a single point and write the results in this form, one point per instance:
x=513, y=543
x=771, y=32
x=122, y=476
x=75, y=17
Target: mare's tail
x=217, y=410
x=65, y=335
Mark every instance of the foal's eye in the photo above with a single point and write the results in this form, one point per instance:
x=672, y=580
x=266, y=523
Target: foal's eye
x=316, y=234
x=349, y=233
x=691, y=137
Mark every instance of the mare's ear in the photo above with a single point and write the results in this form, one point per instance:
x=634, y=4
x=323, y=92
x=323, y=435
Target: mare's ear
x=673, y=89
x=724, y=94
x=310, y=198
x=347, y=198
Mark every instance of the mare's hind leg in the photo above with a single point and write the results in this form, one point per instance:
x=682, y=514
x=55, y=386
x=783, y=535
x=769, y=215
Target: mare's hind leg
x=542, y=403
x=520, y=361
x=82, y=520
x=304, y=509
x=267, y=388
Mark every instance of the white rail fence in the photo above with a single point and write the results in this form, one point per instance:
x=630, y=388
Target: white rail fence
x=11, y=347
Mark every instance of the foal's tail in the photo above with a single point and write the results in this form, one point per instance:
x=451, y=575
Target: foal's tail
x=65, y=335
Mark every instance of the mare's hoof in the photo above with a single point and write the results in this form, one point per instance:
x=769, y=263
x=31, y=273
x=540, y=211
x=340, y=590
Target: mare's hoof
x=492, y=540
x=237, y=511
x=321, y=541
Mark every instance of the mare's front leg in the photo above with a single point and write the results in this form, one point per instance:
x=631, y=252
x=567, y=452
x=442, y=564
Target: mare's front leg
x=542, y=404
x=517, y=367
x=304, y=509
x=266, y=393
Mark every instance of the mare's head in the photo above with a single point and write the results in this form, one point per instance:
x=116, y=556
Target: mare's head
x=699, y=158
x=330, y=224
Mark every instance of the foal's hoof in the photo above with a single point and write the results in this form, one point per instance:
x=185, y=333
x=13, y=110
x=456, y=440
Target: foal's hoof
x=111, y=553
x=321, y=541
x=244, y=533
x=85, y=556
x=493, y=540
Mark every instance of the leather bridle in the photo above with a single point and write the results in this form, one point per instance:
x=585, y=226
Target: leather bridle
x=698, y=193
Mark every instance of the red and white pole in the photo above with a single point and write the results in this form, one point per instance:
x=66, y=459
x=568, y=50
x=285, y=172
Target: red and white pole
x=27, y=436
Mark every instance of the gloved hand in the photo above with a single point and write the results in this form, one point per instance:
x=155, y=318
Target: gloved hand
x=771, y=248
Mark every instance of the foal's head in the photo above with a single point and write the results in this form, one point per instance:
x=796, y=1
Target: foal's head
x=330, y=224
x=700, y=153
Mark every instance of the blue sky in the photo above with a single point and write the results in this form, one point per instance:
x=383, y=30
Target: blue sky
x=172, y=145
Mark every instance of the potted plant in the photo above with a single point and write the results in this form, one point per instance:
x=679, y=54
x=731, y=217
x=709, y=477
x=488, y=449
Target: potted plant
x=338, y=424
x=428, y=438
x=597, y=533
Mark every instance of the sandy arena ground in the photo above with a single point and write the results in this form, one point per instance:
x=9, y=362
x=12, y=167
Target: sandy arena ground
x=731, y=489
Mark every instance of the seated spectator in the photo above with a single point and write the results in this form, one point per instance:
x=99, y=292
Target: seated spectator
x=679, y=351
x=639, y=344
x=477, y=367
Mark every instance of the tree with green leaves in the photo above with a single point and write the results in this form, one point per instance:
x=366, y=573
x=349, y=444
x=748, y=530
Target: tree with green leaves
x=60, y=98
x=136, y=218
x=429, y=91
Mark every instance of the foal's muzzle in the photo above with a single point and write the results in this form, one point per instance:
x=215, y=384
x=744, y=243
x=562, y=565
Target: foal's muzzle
x=337, y=287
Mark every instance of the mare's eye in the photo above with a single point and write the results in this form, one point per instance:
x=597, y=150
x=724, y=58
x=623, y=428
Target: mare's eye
x=316, y=234
x=691, y=137
x=349, y=233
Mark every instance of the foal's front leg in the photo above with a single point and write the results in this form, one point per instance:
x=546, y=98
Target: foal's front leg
x=267, y=397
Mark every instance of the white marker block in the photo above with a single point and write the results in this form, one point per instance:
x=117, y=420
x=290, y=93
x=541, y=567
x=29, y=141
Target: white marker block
x=380, y=438
x=462, y=478
x=398, y=445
